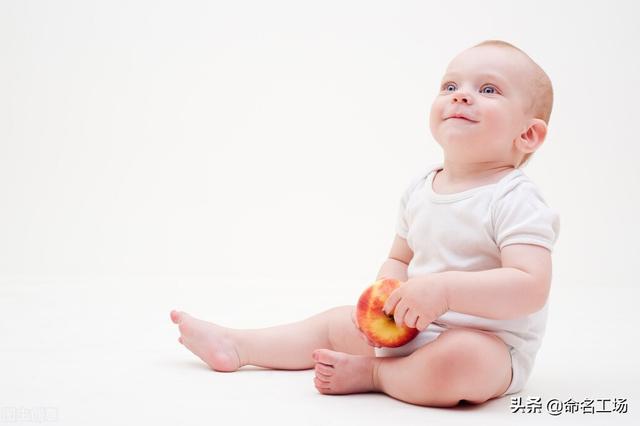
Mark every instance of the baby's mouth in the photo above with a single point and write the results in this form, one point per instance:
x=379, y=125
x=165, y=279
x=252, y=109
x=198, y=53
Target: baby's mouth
x=461, y=119
x=459, y=116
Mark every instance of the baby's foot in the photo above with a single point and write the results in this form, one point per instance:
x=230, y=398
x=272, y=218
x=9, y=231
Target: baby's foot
x=342, y=373
x=211, y=343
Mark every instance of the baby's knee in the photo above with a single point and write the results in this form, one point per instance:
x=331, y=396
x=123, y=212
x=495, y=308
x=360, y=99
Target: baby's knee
x=341, y=314
x=470, y=363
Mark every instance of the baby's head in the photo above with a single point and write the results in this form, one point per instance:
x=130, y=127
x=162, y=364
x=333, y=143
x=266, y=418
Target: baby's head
x=505, y=96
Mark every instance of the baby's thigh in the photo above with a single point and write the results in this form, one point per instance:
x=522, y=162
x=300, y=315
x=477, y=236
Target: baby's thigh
x=476, y=363
x=344, y=336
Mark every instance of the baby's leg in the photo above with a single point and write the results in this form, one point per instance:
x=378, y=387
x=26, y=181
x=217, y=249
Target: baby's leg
x=459, y=364
x=287, y=346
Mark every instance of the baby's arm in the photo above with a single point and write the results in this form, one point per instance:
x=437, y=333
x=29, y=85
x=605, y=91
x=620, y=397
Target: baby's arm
x=393, y=268
x=520, y=287
x=398, y=260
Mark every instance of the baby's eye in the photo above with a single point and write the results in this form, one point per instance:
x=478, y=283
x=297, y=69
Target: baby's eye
x=446, y=86
x=488, y=87
x=449, y=87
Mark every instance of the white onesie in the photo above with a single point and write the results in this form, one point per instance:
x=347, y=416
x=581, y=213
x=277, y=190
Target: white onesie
x=465, y=231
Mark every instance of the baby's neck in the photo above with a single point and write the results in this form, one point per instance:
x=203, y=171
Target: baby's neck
x=457, y=174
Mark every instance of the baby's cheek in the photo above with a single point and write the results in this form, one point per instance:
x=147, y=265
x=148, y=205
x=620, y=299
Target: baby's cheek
x=435, y=115
x=500, y=124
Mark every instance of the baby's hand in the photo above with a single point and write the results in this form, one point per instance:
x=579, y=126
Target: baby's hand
x=364, y=336
x=418, y=302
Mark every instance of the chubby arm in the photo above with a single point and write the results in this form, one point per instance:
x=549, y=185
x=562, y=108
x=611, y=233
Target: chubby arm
x=520, y=287
x=398, y=260
x=393, y=268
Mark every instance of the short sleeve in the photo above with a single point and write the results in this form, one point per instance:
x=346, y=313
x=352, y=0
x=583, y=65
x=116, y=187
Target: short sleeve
x=402, y=224
x=521, y=216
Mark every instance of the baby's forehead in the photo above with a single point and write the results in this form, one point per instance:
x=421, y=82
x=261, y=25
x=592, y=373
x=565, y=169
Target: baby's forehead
x=490, y=61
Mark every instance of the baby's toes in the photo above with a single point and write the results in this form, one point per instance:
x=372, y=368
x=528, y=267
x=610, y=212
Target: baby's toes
x=178, y=317
x=324, y=370
x=321, y=385
x=325, y=356
x=186, y=324
x=323, y=378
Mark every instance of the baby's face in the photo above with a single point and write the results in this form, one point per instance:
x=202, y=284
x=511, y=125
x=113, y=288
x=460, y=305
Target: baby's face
x=486, y=84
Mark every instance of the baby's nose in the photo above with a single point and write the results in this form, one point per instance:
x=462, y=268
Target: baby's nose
x=461, y=98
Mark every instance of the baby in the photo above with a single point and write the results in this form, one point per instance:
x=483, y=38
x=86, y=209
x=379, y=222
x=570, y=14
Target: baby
x=472, y=247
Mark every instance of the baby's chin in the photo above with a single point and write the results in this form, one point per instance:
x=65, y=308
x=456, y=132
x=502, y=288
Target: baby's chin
x=470, y=139
x=460, y=143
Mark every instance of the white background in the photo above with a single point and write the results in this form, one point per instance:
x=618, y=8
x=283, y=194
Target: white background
x=274, y=138
x=251, y=154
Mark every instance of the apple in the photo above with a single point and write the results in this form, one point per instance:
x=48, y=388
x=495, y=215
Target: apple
x=377, y=326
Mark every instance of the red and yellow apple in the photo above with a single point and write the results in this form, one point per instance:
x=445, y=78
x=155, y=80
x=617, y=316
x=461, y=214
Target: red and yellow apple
x=377, y=326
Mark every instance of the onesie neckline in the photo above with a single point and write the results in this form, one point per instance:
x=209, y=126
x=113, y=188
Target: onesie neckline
x=457, y=196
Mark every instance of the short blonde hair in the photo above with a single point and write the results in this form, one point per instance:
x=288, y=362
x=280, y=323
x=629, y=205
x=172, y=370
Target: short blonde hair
x=541, y=89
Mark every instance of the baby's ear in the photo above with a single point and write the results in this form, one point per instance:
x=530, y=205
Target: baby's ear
x=533, y=136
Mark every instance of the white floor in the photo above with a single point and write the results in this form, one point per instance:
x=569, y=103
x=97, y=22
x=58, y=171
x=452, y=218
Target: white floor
x=103, y=351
